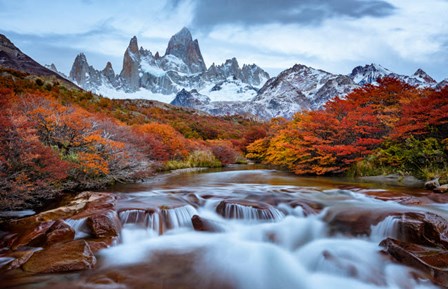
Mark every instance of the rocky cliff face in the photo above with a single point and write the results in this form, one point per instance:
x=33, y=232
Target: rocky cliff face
x=131, y=64
x=182, y=46
x=249, y=74
x=180, y=77
x=182, y=67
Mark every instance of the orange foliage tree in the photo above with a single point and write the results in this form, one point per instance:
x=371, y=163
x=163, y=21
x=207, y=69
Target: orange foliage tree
x=347, y=130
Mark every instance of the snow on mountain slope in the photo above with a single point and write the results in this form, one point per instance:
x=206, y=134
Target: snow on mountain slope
x=370, y=73
x=181, y=77
x=161, y=77
x=231, y=89
x=301, y=88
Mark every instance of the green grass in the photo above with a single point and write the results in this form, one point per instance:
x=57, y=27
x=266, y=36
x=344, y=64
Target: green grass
x=195, y=160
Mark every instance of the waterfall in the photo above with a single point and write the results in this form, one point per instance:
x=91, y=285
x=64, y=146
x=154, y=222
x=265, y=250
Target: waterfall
x=160, y=220
x=389, y=227
x=132, y=216
x=178, y=217
x=79, y=226
x=248, y=213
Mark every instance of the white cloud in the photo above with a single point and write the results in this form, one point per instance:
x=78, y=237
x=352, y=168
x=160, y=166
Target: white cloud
x=414, y=35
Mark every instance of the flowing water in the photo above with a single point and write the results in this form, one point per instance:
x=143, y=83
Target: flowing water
x=271, y=230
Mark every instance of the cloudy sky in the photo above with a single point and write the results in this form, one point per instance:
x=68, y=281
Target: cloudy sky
x=334, y=35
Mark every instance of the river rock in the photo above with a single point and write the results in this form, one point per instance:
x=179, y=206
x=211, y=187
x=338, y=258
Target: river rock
x=100, y=243
x=355, y=220
x=308, y=207
x=104, y=224
x=62, y=257
x=204, y=225
x=441, y=189
x=432, y=184
x=425, y=229
x=32, y=236
x=60, y=232
x=432, y=261
x=17, y=258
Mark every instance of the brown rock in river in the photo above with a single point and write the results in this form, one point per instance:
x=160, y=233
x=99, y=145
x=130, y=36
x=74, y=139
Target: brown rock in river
x=60, y=232
x=33, y=236
x=17, y=258
x=62, y=257
x=432, y=184
x=424, y=229
x=204, y=225
x=441, y=189
x=104, y=224
x=432, y=261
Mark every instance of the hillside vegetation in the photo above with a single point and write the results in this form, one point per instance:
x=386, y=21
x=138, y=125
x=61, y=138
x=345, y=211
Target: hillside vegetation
x=375, y=130
x=55, y=139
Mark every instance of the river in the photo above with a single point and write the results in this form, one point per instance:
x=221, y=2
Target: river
x=257, y=229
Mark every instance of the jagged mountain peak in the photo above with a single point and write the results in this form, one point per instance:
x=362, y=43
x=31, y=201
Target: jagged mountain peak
x=183, y=47
x=133, y=45
x=368, y=73
x=52, y=67
x=81, y=58
x=231, y=61
x=373, y=67
x=183, y=34
x=108, y=68
x=423, y=76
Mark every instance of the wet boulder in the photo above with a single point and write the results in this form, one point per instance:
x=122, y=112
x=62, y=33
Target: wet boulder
x=33, y=235
x=355, y=220
x=433, y=262
x=432, y=184
x=60, y=232
x=62, y=257
x=425, y=229
x=205, y=225
x=97, y=244
x=104, y=224
x=441, y=189
x=15, y=259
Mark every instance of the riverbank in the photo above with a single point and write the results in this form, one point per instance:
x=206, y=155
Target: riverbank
x=217, y=228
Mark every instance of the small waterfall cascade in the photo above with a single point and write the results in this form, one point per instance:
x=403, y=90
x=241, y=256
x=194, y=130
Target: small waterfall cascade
x=249, y=213
x=387, y=228
x=159, y=220
x=79, y=226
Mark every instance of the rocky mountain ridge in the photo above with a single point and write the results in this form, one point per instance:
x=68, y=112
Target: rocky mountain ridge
x=301, y=88
x=182, y=67
x=12, y=57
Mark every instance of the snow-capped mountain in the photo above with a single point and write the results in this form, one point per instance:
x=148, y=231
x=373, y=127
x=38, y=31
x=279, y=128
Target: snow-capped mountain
x=300, y=88
x=181, y=77
x=148, y=75
x=369, y=74
x=295, y=89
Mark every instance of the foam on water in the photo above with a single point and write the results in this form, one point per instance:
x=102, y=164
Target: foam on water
x=287, y=249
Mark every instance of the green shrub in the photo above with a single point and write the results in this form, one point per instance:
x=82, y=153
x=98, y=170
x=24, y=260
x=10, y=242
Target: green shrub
x=198, y=158
x=425, y=159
